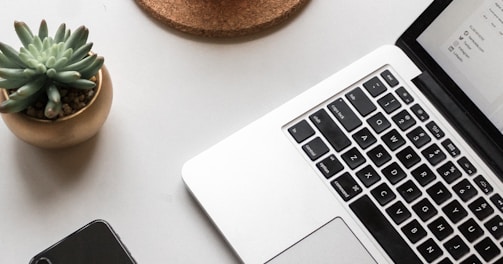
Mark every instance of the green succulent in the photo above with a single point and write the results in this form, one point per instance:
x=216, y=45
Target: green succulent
x=45, y=64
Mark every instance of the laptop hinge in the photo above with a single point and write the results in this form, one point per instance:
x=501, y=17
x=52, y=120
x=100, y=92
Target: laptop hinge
x=461, y=120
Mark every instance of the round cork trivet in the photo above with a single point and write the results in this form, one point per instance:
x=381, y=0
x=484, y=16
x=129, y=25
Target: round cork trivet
x=221, y=18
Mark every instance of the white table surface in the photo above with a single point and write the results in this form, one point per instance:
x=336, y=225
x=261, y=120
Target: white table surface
x=174, y=96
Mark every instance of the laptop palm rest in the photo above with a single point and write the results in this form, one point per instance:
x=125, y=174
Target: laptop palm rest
x=333, y=242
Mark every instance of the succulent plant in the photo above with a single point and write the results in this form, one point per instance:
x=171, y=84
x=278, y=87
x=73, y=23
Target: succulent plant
x=44, y=64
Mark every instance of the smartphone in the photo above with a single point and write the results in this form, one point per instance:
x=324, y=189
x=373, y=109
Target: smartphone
x=95, y=243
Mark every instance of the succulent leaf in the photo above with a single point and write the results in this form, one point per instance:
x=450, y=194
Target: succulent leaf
x=53, y=106
x=51, y=61
x=67, y=35
x=60, y=63
x=23, y=32
x=81, y=52
x=38, y=43
x=64, y=77
x=32, y=51
x=28, y=89
x=12, y=83
x=83, y=84
x=92, y=69
x=53, y=94
x=12, y=106
x=83, y=39
x=43, y=31
x=74, y=38
x=9, y=73
x=6, y=62
x=82, y=64
x=11, y=54
x=60, y=33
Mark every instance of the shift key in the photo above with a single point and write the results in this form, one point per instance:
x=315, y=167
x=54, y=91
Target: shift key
x=334, y=135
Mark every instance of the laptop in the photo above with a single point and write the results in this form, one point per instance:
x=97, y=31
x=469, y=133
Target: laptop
x=395, y=159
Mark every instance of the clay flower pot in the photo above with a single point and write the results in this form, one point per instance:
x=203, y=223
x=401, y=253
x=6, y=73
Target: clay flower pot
x=69, y=130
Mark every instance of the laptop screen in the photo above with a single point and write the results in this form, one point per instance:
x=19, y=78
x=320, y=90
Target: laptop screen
x=466, y=40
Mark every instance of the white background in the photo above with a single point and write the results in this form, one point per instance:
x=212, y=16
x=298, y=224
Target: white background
x=174, y=96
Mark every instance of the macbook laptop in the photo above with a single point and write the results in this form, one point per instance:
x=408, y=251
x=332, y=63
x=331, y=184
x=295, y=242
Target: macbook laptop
x=395, y=159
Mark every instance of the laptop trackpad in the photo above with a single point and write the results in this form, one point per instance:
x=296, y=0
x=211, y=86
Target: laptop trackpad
x=332, y=243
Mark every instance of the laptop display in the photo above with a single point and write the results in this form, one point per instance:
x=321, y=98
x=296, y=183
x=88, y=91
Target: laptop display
x=466, y=40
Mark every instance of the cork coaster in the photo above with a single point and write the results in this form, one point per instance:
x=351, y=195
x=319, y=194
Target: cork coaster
x=221, y=18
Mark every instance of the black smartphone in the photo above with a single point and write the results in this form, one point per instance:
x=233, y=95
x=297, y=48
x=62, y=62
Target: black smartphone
x=95, y=243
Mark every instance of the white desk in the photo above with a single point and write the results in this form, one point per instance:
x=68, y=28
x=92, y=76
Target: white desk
x=175, y=95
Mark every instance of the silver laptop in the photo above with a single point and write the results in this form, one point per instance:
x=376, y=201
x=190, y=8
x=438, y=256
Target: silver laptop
x=395, y=159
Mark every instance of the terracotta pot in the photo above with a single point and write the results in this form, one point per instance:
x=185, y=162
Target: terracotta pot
x=67, y=131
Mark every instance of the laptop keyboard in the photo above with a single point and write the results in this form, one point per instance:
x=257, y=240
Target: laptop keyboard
x=409, y=183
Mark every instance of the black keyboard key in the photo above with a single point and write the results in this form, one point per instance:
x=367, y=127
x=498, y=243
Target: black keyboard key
x=383, y=194
x=368, y=176
x=418, y=137
x=445, y=261
x=439, y=193
x=334, y=135
x=487, y=249
x=424, y=209
x=423, y=175
x=495, y=227
x=467, y=166
x=344, y=114
x=440, y=228
x=379, y=155
x=404, y=95
x=389, y=78
x=433, y=154
x=451, y=148
x=394, y=173
x=383, y=231
x=456, y=247
x=393, y=139
x=353, y=158
x=481, y=208
x=449, y=172
x=404, y=120
x=419, y=112
x=435, y=130
x=483, y=185
x=379, y=123
x=389, y=103
x=409, y=191
x=315, y=148
x=471, y=260
x=398, y=212
x=414, y=231
x=301, y=131
x=364, y=138
x=455, y=211
x=361, y=102
x=430, y=250
x=374, y=86
x=329, y=166
x=346, y=186
x=471, y=230
x=497, y=201
x=465, y=190
x=408, y=157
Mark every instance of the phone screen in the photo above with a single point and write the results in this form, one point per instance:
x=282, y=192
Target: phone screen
x=94, y=243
